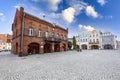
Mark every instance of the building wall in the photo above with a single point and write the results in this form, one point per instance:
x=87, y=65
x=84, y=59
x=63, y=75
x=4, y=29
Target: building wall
x=30, y=21
x=83, y=38
x=71, y=40
x=118, y=44
x=108, y=39
x=94, y=39
x=5, y=42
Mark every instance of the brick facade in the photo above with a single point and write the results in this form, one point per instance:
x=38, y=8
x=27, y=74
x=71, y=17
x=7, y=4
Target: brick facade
x=26, y=37
x=5, y=41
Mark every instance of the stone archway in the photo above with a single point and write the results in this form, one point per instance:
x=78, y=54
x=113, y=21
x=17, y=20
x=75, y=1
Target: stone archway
x=57, y=47
x=94, y=47
x=47, y=48
x=84, y=46
x=108, y=46
x=33, y=48
x=16, y=50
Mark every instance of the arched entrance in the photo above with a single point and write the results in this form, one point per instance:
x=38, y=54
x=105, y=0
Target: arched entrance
x=47, y=48
x=57, y=47
x=33, y=48
x=84, y=46
x=16, y=48
x=94, y=47
x=108, y=46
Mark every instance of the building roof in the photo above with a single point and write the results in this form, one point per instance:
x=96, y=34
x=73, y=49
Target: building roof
x=5, y=37
x=44, y=21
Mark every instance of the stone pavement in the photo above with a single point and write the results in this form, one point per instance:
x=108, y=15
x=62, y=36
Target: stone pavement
x=71, y=65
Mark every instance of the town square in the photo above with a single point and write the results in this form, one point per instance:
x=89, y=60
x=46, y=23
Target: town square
x=71, y=65
x=59, y=40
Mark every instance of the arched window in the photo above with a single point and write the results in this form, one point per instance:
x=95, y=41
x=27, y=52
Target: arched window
x=39, y=33
x=30, y=32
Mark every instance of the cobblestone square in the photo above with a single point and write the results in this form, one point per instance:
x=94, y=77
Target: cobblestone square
x=70, y=65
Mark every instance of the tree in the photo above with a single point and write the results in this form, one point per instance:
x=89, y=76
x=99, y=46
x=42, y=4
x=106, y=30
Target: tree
x=74, y=42
x=69, y=45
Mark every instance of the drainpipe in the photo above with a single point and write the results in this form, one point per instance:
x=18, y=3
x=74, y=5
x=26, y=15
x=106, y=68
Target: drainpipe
x=22, y=35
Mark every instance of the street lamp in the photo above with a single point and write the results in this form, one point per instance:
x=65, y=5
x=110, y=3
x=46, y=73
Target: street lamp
x=53, y=37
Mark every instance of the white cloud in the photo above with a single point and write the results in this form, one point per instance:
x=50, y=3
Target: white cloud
x=89, y=28
x=1, y=14
x=17, y=6
x=68, y=14
x=54, y=15
x=101, y=2
x=2, y=17
x=53, y=4
x=110, y=17
x=90, y=11
x=77, y=5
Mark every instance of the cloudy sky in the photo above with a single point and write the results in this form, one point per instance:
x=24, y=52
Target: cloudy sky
x=103, y=15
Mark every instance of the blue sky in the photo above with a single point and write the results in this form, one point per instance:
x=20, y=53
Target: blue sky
x=103, y=15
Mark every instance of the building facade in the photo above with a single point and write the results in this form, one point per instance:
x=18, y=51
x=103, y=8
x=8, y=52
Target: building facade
x=71, y=40
x=5, y=41
x=94, y=39
x=108, y=40
x=34, y=35
x=118, y=44
x=83, y=39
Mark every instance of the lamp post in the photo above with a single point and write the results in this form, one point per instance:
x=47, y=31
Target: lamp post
x=53, y=37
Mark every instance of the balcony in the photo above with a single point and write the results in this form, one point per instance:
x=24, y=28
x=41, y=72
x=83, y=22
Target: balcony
x=52, y=39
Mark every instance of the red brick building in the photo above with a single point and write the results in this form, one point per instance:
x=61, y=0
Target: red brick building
x=5, y=41
x=34, y=35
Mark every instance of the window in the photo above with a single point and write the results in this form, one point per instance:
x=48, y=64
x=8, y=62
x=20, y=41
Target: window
x=46, y=34
x=86, y=40
x=102, y=39
x=93, y=40
x=64, y=37
x=96, y=34
x=90, y=41
x=97, y=40
x=30, y=32
x=39, y=33
x=57, y=35
x=81, y=40
x=52, y=34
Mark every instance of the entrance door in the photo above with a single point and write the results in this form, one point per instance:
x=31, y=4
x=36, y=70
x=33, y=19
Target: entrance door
x=64, y=47
x=108, y=46
x=94, y=47
x=33, y=48
x=47, y=48
x=57, y=47
x=16, y=48
x=84, y=46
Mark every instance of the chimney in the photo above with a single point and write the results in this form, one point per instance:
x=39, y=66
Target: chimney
x=21, y=9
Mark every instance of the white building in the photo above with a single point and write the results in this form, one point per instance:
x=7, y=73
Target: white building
x=71, y=40
x=108, y=41
x=95, y=39
x=83, y=38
